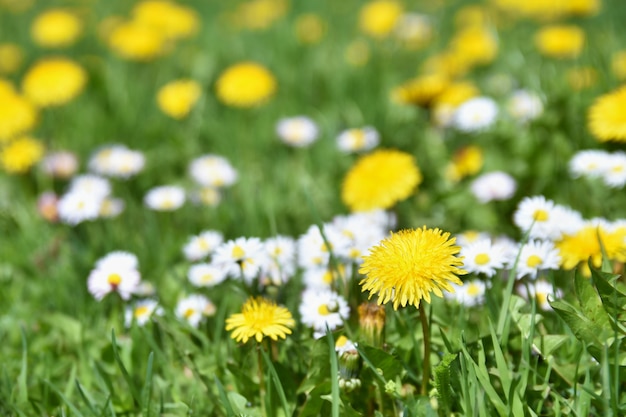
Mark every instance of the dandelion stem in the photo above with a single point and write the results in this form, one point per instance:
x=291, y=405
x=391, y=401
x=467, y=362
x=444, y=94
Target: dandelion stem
x=261, y=379
x=426, y=359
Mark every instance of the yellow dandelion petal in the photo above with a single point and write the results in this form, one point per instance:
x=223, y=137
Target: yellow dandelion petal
x=56, y=28
x=560, y=41
x=378, y=18
x=17, y=115
x=260, y=318
x=177, y=98
x=20, y=155
x=410, y=265
x=54, y=82
x=421, y=91
x=136, y=42
x=246, y=84
x=607, y=119
x=172, y=20
x=380, y=180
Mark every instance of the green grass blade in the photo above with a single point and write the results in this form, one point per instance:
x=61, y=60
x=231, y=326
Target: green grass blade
x=334, y=372
x=129, y=381
x=277, y=383
x=146, y=394
x=224, y=398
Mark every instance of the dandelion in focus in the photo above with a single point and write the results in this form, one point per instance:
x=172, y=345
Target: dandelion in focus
x=607, y=119
x=258, y=319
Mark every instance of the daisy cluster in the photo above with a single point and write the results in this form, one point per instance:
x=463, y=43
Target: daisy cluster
x=610, y=167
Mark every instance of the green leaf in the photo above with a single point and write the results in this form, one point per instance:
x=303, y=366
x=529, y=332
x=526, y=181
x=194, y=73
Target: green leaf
x=129, y=381
x=376, y=358
x=547, y=344
x=584, y=329
x=277, y=384
x=613, y=300
x=590, y=302
x=442, y=382
x=524, y=321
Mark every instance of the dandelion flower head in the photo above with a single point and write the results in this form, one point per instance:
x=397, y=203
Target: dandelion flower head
x=378, y=18
x=406, y=267
x=56, y=28
x=54, y=82
x=260, y=318
x=607, y=119
x=177, y=98
x=20, y=155
x=17, y=114
x=560, y=41
x=246, y=84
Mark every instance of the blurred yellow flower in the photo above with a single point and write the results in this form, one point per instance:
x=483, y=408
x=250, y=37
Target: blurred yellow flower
x=134, y=41
x=260, y=318
x=380, y=180
x=17, y=115
x=20, y=155
x=54, y=82
x=618, y=64
x=465, y=162
x=472, y=15
x=475, y=46
x=560, y=41
x=378, y=18
x=456, y=93
x=549, y=10
x=172, y=20
x=56, y=28
x=258, y=14
x=607, y=118
x=410, y=265
x=581, y=78
x=176, y=98
x=310, y=28
x=11, y=58
x=413, y=30
x=421, y=91
x=448, y=62
x=246, y=84
x=357, y=53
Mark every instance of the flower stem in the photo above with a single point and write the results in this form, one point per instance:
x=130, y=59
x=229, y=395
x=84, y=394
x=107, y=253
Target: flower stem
x=261, y=379
x=426, y=359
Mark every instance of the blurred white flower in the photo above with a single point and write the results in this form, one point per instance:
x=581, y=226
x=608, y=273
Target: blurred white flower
x=206, y=275
x=165, y=198
x=524, y=106
x=116, y=161
x=358, y=140
x=194, y=308
x=496, y=185
x=475, y=114
x=202, y=245
x=212, y=171
x=299, y=131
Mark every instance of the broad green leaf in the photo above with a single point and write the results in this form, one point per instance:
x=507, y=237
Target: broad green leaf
x=590, y=302
x=547, y=344
x=584, y=329
x=390, y=366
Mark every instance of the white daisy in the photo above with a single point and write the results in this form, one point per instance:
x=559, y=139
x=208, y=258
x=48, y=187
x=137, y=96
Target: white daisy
x=539, y=216
x=470, y=294
x=119, y=259
x=165, y=198
x=299, y=131
x=319, y=278
x=535, y=256
x=212, y=171
x=323, y=309
x=476, y=114
x=241, y=257
x=314, y=251
x=75, y=207
x=343, y=344
x=141, y=312
x=413, y=29
x=202, y=245
x=207, y=196
x=281, y=251
x=206, y=275
x=194, y=308
x=111, y=207
x=91, y=185
x=542, y=291
x=524, y=106
x=358, y=140
x=113, y=278
x=62, y=164
x=496, y=185
x=116, y=161
x=614, y=172
x=471, y=236
x=483, y=257
x=362, y=232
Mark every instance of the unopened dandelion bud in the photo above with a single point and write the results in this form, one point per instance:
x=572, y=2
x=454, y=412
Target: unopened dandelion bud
x=372, y=322
x=349, y=364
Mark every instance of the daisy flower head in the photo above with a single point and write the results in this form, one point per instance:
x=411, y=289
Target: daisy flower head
x=588, y=163
x=165, y=198
x=406, y=267
x=606, y=119
x=116, y=161
x=535, y=256
x=111, y=207
x=343, y=345
x=524, y=106
x=177, y=98
x=324, y=278
x=542, y=291
x=358, y=140
x=299, y=131
x=53, y=82
x=281, y=252
x=242, y=257
x=470, y=236
x=141, y=312
x=323, y=309
x=56, y=28
x=20, y=155
x=540, y=217
x=314, y=248
x=120, y=259
x=202, y=245
x=475, y=115
x=496, y=185
x=194, y=308
x=414, y=30
x=212, y=171
x=614, y=174
x=246, y=84
x=61, y=164
x=379, y=180
x=76, y=207
x=470, y=294
x=91, y=185
x=113, y=277
x=258, y=319
x=483, y=257
x=206, y=275
x=206, y=196
x=362, y=233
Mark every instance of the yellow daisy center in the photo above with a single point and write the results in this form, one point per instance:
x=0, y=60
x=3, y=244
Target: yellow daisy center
x=141, y=311
x=238, y=252
x=323, y=310
x=482, y=259
x=189, y=312
x=473, y=289
x=540, y=215
x=114, y=279
x=533, y=261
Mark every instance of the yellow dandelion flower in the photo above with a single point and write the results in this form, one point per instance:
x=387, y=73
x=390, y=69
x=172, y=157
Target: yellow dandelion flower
x=136, y=42
x=170, y=19
x=56, y=28
x=11, y=58
x=246, y=84
x=54, y=82
x=259, y=14
x=581, y=78
x=309, y=28
x=421, y=91
x=456, y=93
x=378, y=18
x=17, y=115
x=20, y=155
x=582, y=7
x=410, y=265
x=472, y=16
x=260, y=318
x=475, y=46
x=447, y=63
x=607, y=119
x=176, y=98
x=465, y=162
x=618, y=64
x=379, y=180
x=560, y=41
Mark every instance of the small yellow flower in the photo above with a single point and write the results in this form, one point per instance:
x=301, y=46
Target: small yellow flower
x=560, y=41
x=378, y=18
x=17, y=115
x=465, y=162
x=246, y=84
x=54, y=82
x=170, y=19
x=607, y=119
x=176, y=98
x=136, y=42
x=475, y=46
x=421, y=91
x=380, y=180
x=259, y=14
x=56, y=28
x=456, y=93
x=407, y=266
x=618, y=64
x=309, y=28
x=260, y=318
x=447, y=63
x=20, y=155
x=11, y=58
